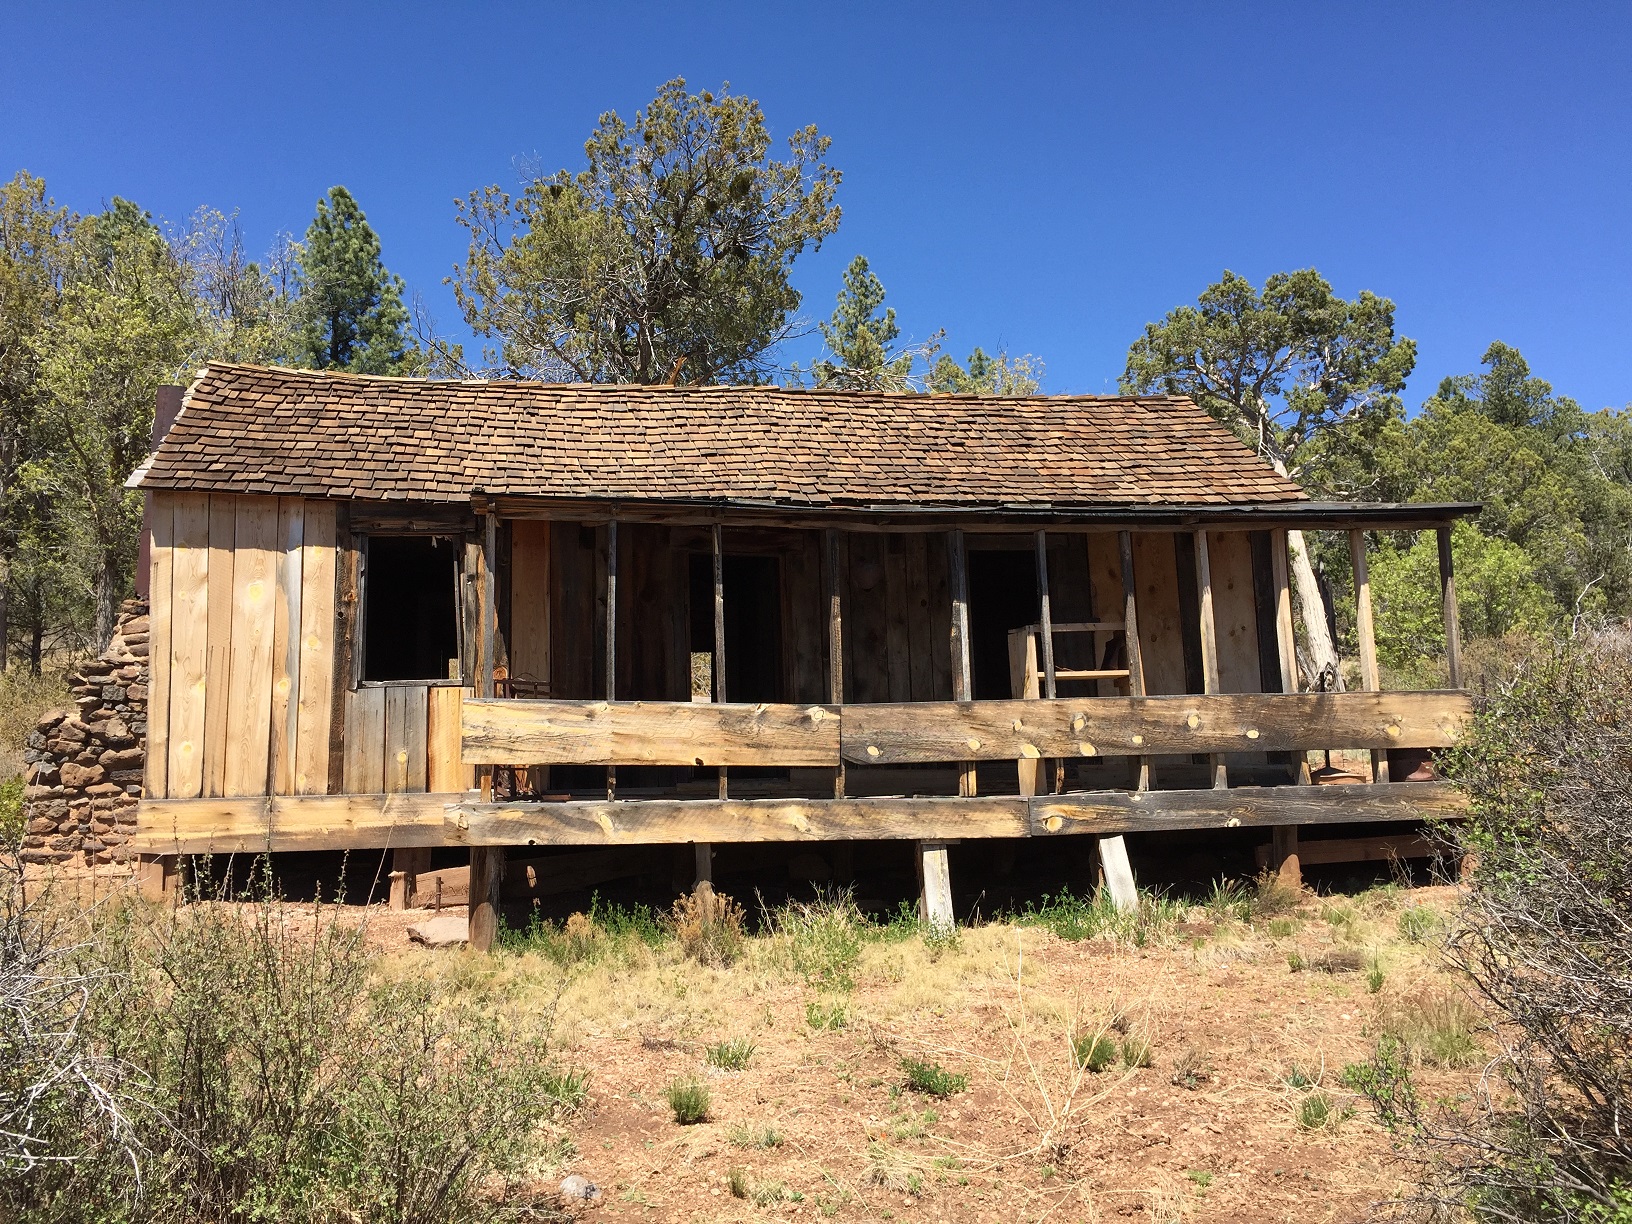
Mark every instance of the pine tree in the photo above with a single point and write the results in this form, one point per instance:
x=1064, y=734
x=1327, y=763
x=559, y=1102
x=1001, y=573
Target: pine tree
x=860, y=338
x=354, y=316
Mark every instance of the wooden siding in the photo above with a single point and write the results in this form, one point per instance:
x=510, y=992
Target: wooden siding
x=244, y=687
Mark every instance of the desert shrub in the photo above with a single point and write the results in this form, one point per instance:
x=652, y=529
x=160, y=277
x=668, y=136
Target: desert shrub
x=1136, y=1052
x=278, y=1077
x=63, y=1103
x=1544, y=938
x=11, y=810
x=932, y=1078
x=1190, y=1070
x=1095, y=1051
x=1071, y=917
x=822, y=939
x=709, y=926
x=688, y=1100
x=733, y=1054
x=1318, y=1109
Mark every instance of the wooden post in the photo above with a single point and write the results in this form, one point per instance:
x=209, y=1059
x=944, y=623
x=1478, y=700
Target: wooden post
x=611, y=636
x=1447, y=595
x=934, y=870
x=1113, y=851
x=719, y=634
x=1365, y=630
x=486, y=862
x=1130, y=634
x=407, y=862
x=1209, y=644
x=835, y=642
x=1046, y=622
x=157, y=876
x=1284, y=838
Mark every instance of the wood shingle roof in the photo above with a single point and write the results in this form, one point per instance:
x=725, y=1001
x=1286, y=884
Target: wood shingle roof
x=250, y=429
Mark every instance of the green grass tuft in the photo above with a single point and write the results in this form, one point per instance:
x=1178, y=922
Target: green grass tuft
x=733, y=1054
x=689, y=1099
x=932, y=1078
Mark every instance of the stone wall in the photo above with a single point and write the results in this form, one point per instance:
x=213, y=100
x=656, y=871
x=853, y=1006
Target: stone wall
x=84, y=763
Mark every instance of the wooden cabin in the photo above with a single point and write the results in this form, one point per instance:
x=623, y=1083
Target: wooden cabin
x=398, y=613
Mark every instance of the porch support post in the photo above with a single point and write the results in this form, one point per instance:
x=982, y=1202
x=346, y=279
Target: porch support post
x=934, y=870
x=705, y=851
x=1113, y=851
x=1046, y=623
x=1366, y=631
x=611, y=636
x=1284, y=838
x=157, y=876
x=1447, y=595
x=1209, y=643
x=486, y=862
x=835, y=641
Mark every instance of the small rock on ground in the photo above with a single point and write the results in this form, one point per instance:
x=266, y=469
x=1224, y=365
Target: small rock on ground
x=446, y=932
x=579, y=1188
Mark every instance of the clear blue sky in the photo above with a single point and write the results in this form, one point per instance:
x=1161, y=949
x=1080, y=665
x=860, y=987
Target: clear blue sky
x=1045, y=178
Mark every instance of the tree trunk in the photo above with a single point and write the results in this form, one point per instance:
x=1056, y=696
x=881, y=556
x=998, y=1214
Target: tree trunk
x=107, y=602
x=1321, y=656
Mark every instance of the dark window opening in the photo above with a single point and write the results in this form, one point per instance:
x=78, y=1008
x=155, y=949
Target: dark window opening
x=1002, y=596
x=753, y=623
x=411, y=631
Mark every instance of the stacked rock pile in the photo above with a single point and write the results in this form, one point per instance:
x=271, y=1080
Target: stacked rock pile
x=84, y=763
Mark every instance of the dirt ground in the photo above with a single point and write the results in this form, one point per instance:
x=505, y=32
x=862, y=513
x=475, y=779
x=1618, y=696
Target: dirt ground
x=820, y=1123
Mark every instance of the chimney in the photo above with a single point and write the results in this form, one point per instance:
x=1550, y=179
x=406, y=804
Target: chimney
x=165, y=408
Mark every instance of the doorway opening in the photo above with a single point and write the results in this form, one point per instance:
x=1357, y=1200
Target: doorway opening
x=1002, y=596
x=753, y=625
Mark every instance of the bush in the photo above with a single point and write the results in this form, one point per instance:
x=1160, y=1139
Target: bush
x=709, y=926
x=932, y=1078
x=732, y=1054
x=11, y=811
x=688, y=1098
x=277, y=1077
x=1071, y=917
x=822, y=939
x=1544, y=938
x=1095, y=1051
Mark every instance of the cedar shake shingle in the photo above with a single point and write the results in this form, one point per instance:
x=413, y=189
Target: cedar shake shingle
x=311, y=434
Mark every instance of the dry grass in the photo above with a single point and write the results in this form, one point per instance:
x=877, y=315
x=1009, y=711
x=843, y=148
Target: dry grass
x=23, y=698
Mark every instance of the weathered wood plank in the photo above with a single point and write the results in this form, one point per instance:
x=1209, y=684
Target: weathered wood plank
x=162, y=516
x=347, y=621
x=396, y=739
x=286, y=646
x=920, y=628
x=254, y=588
x=218, y=651
x=647, y=733
x=733, y=820
x=897, y=636
x=189, y=628
x=1133, y=726
x=1365, y=632
x=1152, y=811
x=1235, y=611
x=1447, y=594
x=530, y=600
x=315, y=704
x=256, y=823
x=1161, y=635
x=365, y=741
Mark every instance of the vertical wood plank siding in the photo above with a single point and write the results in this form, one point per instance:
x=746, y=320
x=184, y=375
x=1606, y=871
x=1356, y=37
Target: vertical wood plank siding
x=189, y=587
x=254, y=589
x=223, y=529
x=315, y=703
x=162, y=553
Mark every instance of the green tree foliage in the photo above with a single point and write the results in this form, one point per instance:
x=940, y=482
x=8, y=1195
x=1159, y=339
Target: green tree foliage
x=983, y=375
x=1498, y=592
x=1281, y=367
x=667, y=257
x=861, y=335
x=1552, y=479
x=353, y=316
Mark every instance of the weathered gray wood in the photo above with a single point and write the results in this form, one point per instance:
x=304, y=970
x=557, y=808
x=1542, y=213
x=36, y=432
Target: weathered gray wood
x=833, y=577
x=486, y=891
x=963, y=687
x=935, y=886
x=1365, y=631
x=921, y=732
x=1150, y=811
x=612, y=637
x=671, y=821
x=1119, y=882
x=1447, y=594
x=516, y=732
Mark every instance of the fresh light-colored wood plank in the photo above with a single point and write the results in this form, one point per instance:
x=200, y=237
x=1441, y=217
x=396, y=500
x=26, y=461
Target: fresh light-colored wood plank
x=162, y=516
x=218, y=697
x=922, y=732
x=1153, y=811
x=254, y=590
x=286, y=646
x=315, y=704
x=253, y=824
x=935, y=886
x=647, y=733
x=675, y=821
x=189, y=629
x=444, y=769
x=365, y=742
x=1365, y=632
x=1235, y=611
x=416, y=736
x=1161, y=637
